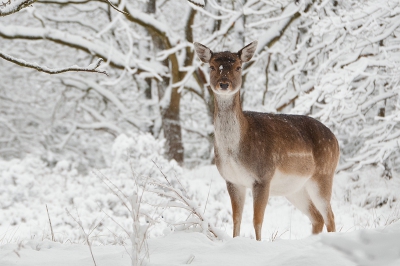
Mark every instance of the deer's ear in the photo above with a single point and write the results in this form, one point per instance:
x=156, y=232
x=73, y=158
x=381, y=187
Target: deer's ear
x=203, y=52
x=247, y=52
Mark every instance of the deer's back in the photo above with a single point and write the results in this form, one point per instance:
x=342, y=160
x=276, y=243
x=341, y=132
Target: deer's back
x=277, y=145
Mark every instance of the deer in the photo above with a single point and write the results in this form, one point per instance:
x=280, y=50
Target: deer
x=294, y=156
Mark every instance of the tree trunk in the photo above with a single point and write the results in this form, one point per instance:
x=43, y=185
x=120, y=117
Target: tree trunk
x=172, y=128
x=170, y=114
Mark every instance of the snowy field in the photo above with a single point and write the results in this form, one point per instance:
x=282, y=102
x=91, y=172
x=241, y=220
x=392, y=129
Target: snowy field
x=363, y=247
x=365, y=203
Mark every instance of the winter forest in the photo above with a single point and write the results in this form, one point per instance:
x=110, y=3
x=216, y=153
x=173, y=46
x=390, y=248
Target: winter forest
x=107, y=136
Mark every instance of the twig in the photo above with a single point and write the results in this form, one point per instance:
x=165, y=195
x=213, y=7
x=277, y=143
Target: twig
x=184, y=189
x=14, y=7
x=91, y=68
x=197, y=3
x=51, y=227
x=123, y=228
x=117, y=9
x=191, y=258
x=140, y=249
x=86, y=235
x=103, y=178
x=273, y=236
x=188, y=202
x=162, y=172
x=205, y=206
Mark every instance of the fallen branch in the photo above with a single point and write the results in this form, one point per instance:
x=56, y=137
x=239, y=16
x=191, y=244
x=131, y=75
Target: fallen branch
x=91, y=68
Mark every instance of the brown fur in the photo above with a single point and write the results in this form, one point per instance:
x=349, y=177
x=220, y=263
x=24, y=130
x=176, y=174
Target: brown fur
x=268, y=147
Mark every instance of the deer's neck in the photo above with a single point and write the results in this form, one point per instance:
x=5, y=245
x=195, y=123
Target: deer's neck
x=229, y=121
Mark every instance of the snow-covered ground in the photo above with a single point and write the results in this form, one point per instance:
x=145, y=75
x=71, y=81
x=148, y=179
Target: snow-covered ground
x=366, y=207
x=363, y=247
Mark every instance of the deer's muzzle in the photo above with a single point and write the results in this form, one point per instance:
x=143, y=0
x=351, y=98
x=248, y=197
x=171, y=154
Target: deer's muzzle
x=223, y=86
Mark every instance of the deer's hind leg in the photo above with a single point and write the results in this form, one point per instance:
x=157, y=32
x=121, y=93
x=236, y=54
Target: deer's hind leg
x=302, y=201
x=320, y=190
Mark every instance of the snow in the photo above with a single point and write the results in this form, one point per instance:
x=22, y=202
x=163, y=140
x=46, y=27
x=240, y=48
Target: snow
x=365, y=205
x=364, y=247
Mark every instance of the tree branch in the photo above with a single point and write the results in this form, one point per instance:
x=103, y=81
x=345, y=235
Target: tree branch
x=159, y=29
x=65, y=2
x=147, y=21
x=85, y=84
x=89, y=45
x=91, y=68
x=274, y=34
x=199, y=3
x=13, y=6
x=116, y=8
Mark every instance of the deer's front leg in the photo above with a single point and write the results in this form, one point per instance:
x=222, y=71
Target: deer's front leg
x=238, y=196
x=260, y=200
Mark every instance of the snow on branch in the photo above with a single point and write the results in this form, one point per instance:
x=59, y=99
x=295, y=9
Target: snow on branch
x=236, y=16
x=75, y=41
x=288, y=15
x=90, y=45
x=188, y=204
x=64, y=2
x=84, y=84
x=13, y=6
x=146, y=21
x=91, y=68
x=199, y=3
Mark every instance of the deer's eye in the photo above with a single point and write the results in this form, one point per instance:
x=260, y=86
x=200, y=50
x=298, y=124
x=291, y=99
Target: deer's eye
x=212, y=68
x=238, y=68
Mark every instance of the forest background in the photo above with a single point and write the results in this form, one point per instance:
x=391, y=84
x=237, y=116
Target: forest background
x=337, y=61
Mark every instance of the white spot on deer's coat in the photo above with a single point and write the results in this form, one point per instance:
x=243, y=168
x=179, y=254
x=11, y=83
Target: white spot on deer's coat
x=299, y=154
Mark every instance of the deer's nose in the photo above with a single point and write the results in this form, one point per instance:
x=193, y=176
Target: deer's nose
x=224, y=86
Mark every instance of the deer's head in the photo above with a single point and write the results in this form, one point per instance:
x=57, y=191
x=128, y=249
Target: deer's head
x=225, y=67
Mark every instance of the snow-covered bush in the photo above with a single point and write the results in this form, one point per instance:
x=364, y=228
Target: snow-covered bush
x=139, y=158
x=140, y=183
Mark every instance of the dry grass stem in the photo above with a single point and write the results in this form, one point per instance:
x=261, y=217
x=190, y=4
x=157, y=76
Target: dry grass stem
x=51, y=227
